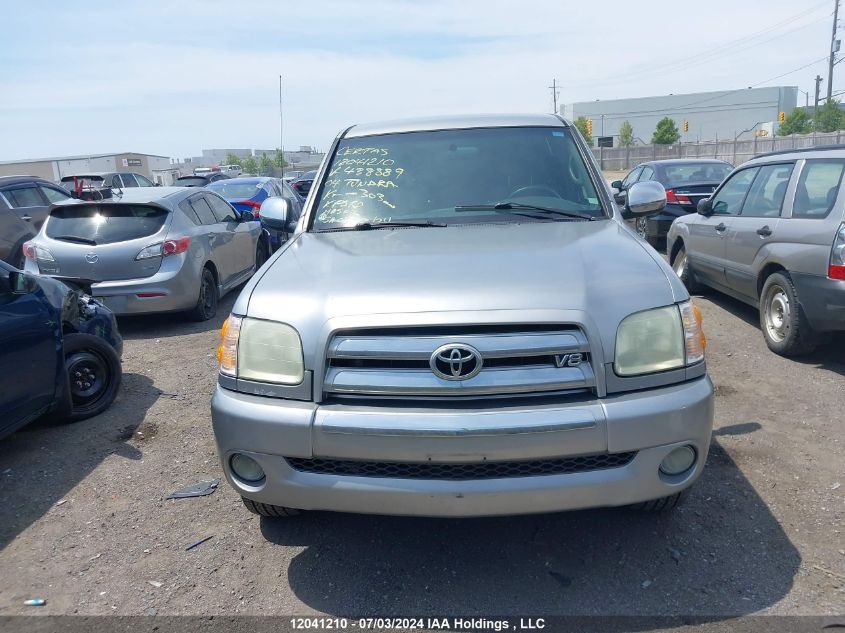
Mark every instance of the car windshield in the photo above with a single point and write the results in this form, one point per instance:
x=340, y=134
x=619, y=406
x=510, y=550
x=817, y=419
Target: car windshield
x=104, y=224
x=697, y=172
x=236, y=190
x=428, y=176
x=191, y=181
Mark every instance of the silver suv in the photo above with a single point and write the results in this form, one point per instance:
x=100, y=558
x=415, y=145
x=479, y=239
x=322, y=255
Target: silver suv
x=773, y=236
x=462, y=325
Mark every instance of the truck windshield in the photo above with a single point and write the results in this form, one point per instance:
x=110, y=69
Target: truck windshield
x=456, y=177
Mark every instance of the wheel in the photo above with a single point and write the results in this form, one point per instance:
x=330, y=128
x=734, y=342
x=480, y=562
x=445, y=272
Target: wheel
x=784, y=327
x=206, y=306
x=94, y=375
x=266, y=510
x=664, y=504
x=641, y=226
x=680, y=264
x=261, y=254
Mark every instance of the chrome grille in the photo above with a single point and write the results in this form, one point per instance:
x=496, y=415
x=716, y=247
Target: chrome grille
x=515, y=361
x=462, y=472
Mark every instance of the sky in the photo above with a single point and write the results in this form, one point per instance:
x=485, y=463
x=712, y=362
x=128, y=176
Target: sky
x=172, y=77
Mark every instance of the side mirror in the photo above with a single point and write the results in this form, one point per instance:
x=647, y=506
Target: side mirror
x=275, y=213
x=644, y=198
x=705, y=207
x=617, y=184
x=247, y=216
x=21, y=283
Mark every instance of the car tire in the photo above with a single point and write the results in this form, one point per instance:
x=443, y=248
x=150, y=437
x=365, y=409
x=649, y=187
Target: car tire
x=680, y=264
x=784, y=326
x=209, y=295
x=664, y=504
x=262, y=254
x=267, y=510
x=641, y=227
x=94, y=375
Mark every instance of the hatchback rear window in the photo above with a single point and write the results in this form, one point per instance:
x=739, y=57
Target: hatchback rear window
x=104, y=224
x=236, y=190
x=191, y=181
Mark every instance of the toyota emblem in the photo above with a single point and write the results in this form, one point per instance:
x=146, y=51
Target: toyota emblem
x=456, y=361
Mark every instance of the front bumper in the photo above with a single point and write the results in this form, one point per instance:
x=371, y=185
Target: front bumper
x=651, y=422
x=822, y=300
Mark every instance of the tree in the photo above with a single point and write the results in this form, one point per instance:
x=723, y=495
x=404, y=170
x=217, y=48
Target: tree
x=666, y=132
x=265, y=165
x=249, y=165
x=279, y=161
x=626, y=135
x=581, y=124
x=830, y=117
x=231, y=159
x=796, y=122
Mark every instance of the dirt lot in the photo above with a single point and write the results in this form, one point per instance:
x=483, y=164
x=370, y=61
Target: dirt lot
x=84, y=522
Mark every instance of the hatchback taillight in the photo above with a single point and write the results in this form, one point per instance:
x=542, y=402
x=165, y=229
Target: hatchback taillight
x=836, y=266
x=33, y=252
x=174, y=247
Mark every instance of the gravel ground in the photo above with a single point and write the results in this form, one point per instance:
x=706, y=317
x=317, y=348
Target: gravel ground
x=84, y=522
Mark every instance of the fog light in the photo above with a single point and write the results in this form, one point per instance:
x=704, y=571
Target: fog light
x=678, y=461
x=246, y=468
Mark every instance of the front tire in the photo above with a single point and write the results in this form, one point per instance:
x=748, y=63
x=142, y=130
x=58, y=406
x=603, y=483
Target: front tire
x=267, y=510
x=262, y=254
x=784, y=327
x=94, y=374
x=206, y=306
x=641, y=227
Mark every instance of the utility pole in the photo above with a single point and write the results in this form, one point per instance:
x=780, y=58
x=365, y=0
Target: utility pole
x=818, y=83
x=281, y=126
x=555, y=93
x=833, y=49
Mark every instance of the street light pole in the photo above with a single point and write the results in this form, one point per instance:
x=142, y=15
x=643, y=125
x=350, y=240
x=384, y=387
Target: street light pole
x=833, y=49
x=281, y=127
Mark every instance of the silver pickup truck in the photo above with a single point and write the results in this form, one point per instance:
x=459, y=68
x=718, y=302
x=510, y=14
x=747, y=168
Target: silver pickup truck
x=462, y=325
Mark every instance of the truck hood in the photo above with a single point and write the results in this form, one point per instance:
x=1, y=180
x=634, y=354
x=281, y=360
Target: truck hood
x=599, y=269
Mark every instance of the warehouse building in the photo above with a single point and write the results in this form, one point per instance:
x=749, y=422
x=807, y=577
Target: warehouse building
x=725, y=114
x=157, y=168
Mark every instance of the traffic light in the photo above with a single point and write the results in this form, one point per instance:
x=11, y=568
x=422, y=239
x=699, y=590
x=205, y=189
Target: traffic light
x=782, y=117
x=686, y=125
x=590, y=127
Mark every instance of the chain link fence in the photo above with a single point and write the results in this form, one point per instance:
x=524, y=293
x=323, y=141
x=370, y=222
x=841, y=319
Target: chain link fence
x=734, y=152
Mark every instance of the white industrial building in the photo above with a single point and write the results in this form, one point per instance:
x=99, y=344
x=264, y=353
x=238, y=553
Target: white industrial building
x=158, y=168
x=724, y=114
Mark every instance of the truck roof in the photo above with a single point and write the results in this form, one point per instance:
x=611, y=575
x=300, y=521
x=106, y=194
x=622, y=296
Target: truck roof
x=454, y=122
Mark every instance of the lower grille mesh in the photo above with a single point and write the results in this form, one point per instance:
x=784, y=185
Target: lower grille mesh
x=461, y=472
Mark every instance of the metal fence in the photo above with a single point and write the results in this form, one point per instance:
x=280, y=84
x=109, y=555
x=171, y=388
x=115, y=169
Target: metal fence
x=734, y=152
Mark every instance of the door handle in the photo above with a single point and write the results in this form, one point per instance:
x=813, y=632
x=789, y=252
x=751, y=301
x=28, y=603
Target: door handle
x=26, y=218
x=764, y=232
x=720, y=227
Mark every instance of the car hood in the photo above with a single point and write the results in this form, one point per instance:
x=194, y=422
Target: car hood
x=594, y=272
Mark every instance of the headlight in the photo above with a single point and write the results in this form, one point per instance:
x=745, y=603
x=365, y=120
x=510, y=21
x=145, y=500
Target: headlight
x=659, y=340
x=265, y=351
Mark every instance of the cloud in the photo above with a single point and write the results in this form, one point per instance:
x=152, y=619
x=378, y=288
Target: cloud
x=172, y=79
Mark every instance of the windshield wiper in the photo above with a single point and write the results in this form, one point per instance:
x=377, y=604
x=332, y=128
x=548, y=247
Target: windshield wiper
x=75, y=238
x=368, y=226
x=518, y=206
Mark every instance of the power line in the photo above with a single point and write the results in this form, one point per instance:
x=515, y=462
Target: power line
x=745, y=43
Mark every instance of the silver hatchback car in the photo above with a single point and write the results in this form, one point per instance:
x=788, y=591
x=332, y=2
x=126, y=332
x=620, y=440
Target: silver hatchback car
x=154, y=249
x=773, y=236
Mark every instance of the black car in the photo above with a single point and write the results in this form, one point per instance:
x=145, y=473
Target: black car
x=302, y=185
x=24, y=201
x=59, y=350
x=199, y=180
x=686, y=182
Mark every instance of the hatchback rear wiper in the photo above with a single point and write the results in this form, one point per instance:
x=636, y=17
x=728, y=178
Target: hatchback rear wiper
x=75, y=238
x=368, y=226
x=518, y=206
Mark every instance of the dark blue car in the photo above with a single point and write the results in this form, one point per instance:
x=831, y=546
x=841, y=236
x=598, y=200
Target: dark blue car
x=247, y=194
x=59, y=350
